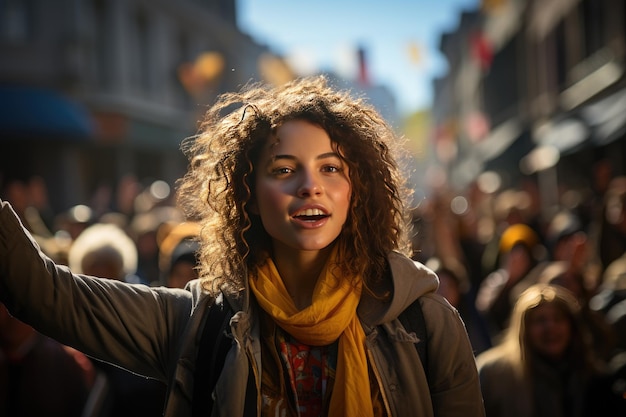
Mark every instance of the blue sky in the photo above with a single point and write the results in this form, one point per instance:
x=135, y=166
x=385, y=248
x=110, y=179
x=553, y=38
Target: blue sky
x=400, y=38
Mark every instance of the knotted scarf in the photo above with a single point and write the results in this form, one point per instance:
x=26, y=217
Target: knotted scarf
x=331, y=316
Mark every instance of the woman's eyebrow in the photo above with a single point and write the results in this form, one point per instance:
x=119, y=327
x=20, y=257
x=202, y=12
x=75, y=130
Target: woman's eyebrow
x=321, y=156
x=328, y=155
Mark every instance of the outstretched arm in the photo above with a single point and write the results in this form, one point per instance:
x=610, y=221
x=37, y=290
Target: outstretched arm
x=129, y=325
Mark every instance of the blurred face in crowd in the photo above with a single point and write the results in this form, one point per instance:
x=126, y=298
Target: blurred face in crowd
x=104, y=263
x=518, y=262
x=182, y=272
x=548, y=330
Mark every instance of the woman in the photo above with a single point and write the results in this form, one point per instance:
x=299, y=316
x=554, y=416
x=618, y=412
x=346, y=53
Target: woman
x=543, y=366
x=517, y=257
x=300, y=203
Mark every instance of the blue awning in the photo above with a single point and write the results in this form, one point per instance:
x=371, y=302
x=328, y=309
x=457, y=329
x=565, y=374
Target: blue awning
x=46, y=114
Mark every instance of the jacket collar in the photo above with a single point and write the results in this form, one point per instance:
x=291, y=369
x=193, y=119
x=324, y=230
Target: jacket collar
x=407, y=281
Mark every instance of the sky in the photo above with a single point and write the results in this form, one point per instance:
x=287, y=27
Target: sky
x=400, y=39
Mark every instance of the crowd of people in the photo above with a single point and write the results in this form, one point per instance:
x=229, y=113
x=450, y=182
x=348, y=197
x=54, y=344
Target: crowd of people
x=541, y=293
x=541, y=290
x=148, y=243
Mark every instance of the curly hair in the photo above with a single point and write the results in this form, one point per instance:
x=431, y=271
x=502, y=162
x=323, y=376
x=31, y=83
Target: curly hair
x=219, y=184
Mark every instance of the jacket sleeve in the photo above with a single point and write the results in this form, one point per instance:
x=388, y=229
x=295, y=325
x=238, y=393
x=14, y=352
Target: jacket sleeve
x=453, y=377
x=131, y=325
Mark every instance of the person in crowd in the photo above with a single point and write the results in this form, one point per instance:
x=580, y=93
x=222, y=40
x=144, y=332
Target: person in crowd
x=608, y=228
x=30, y=197
x=518, y=249
x=305, y=275
x=612, y=288
x=610, y=301
x=16, y=190
x=568, y=241
x=38, y=375
x=73, y=221
x=146, y=229
x=564, y=240
x=603, y=336
x=454, y=286
x=508, y=207
x=473, y=235
x=544, y=365
x=178, y=258
x=448, y=228
x=590, y=197
x=570, y=264
x=107, y=252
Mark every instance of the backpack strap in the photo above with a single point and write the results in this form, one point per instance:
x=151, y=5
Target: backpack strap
x=412, y=318
x=214, y=345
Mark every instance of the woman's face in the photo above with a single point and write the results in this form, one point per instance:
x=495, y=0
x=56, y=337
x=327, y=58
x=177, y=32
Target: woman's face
x=302, y=188
x=549, y=330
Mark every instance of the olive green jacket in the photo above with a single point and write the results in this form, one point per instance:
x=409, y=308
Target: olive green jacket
x=155, y=332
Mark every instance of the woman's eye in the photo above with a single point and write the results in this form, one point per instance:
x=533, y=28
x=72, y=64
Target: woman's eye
x=281, y=171
x=331, y=168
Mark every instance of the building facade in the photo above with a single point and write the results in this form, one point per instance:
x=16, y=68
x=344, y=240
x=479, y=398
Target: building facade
x=535, y=89
x=94, y=90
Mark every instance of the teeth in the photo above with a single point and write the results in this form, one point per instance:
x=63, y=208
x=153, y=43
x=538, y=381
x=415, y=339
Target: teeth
x=310, y=212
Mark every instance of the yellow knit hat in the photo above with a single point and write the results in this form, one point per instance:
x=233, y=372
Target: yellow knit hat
x=518, y=233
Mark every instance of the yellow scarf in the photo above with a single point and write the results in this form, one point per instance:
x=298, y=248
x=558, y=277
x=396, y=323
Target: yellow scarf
x=331, y=316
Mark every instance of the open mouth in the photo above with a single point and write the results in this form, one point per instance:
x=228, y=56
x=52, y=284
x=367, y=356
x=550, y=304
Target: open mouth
x=310, y=218
x=310, y=215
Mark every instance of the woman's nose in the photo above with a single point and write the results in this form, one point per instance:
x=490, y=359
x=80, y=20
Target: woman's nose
x=309, y=185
